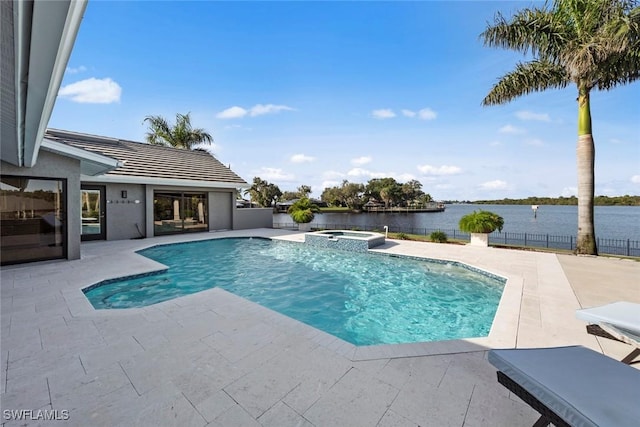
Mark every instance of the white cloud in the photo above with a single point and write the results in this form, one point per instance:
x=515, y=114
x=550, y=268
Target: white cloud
x=403, y=177
x=569, y=191
x=384, y=113
x=76, y=70
x=439, y=170
x=509, y=129
x=329, y=183
x=615, y=141
x=359, y=172
x=234, y=112
x=494, y=185
x=408, y=113
x=359, y=161
x=301, y=158
x=427, y=114
x=635, y=179
x=274, y=174
x=332, y=175
x=260, y=109
x=92, y=91
x=495, y=143
x=529, y=115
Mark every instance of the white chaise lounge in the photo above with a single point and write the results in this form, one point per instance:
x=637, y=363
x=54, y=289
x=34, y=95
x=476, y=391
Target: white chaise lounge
x=571, y=386
x=618, y=321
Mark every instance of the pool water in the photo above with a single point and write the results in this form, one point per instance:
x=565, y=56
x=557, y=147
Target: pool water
x=363, y=298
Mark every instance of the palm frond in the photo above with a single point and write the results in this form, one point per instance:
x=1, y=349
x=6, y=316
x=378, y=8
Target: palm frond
x=533, y=76
x=159, y=130
x=529, y=31
x=181, y=135
x=622, y=70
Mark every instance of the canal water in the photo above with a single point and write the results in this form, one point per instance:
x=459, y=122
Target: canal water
x=611, y=222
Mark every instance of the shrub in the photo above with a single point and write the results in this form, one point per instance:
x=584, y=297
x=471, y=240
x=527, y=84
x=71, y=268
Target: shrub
x=402, y=236
x=438, y=236
x=303, y=211
x=481, y=222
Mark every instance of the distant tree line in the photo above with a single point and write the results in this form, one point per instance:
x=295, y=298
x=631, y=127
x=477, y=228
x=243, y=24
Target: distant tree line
x=380, y=190
x=385, y=191
x=625, y=200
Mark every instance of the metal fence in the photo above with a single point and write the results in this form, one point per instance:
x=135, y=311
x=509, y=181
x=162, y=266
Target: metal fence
x=624, y=247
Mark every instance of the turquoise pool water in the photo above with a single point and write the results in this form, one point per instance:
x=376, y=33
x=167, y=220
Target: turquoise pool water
x=362, y=298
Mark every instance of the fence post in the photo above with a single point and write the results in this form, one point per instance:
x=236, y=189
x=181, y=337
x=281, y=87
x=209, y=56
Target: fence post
x=570, y=243
x=505, y=237
x=547, y=240
x=525, y=239
x=628, y=247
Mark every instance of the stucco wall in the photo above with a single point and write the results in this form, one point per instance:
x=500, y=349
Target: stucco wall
x=51, y=165
x=253, y=218
x=221, y=205
x=124, y=214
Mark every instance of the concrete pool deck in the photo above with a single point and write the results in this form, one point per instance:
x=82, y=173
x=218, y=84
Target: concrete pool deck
x=215, y=359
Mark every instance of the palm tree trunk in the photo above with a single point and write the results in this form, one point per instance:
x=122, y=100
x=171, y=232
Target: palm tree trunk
x=585, y=154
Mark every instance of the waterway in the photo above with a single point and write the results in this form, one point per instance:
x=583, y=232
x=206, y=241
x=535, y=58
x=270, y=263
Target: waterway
x=611, y=222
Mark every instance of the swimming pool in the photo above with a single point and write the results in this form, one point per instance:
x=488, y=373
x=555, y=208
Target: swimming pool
x=362, y=298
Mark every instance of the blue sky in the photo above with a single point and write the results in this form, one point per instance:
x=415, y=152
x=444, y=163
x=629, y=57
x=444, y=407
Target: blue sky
x=318, y=92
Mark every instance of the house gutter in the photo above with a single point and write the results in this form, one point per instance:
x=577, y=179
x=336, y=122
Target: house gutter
x=44, y=35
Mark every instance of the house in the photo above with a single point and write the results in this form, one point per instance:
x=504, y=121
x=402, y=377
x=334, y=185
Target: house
x=58, y=188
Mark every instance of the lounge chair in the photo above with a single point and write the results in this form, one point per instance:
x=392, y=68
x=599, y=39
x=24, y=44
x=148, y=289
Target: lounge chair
x=571, y=386
x=619, y=321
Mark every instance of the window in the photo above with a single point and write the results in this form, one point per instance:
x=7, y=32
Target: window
x=33, y=219
x=179, y=212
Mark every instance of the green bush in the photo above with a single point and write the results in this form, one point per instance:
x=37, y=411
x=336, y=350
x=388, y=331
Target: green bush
x=438, y=236
x=303, y=211
x=402, y=236
x=481, y=222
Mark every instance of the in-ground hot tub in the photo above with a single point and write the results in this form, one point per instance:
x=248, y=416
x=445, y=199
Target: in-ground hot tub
x=346, y=240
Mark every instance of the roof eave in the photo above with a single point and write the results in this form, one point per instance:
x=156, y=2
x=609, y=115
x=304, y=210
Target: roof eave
x=90, y=163
x=167, y=182
x=41, y=60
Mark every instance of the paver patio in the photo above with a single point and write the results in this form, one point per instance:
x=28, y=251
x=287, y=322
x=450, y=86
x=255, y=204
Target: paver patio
x=215, y=359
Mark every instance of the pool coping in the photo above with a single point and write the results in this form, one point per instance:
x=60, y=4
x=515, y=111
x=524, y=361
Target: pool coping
x=503, y=332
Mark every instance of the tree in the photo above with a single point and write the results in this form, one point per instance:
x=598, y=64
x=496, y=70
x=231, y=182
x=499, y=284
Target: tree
x=182, y=135
x=411, y=191
x=332, y=196
x=352, y=194
x=304, y=191
x=375, y=185
x=593, y=44
x=263, y=192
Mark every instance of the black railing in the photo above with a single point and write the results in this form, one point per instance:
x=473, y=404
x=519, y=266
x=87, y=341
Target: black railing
x=624, y=247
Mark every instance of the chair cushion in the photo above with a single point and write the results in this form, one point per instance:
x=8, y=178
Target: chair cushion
x=622, y=314
x=583, y=387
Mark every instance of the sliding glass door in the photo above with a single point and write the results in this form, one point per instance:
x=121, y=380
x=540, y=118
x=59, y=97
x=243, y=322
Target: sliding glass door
x=179, y=212
x=33, y=219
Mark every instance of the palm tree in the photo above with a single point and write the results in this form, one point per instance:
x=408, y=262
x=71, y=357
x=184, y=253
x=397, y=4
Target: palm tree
x=182, y=135
x=591, y=43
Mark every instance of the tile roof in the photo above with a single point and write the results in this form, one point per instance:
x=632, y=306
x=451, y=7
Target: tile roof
x=151, y=161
